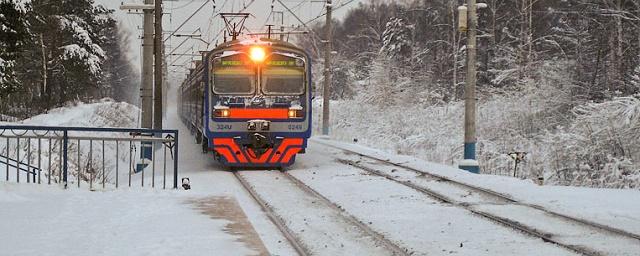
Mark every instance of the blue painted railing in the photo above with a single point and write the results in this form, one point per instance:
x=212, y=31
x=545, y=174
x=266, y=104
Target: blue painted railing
x=65, y=136
x=7, y=161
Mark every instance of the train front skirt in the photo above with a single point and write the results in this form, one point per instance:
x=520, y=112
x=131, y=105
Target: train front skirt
x=231, y=152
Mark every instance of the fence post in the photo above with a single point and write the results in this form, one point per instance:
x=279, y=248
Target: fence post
x=175, y=162
x=65, y=145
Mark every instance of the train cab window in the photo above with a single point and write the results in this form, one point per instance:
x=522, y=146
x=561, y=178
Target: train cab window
x=233, y=81
x=283, y=80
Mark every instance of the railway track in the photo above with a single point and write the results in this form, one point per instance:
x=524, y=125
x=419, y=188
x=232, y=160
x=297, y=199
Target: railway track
x=497, y=199
x=297, y=242
x=273, y=217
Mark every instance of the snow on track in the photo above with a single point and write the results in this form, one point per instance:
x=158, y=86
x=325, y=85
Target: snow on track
x=569, y=232
x=608, y=207
x=321, y=229
x=414, y=221
x=573, y=235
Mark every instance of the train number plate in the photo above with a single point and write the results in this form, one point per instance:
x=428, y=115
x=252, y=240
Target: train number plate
x=223, y=127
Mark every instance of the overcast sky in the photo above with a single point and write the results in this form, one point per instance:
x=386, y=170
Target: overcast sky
x=177, y=12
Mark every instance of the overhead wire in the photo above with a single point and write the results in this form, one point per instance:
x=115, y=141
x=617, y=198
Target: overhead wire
x=299, y=20
x=183, y=41
x=183, y=6
x=325, y=13
x=215, y=14
x=187, y=20
x=181, y=55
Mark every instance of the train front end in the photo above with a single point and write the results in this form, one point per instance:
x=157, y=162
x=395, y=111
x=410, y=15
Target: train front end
x=259, y=104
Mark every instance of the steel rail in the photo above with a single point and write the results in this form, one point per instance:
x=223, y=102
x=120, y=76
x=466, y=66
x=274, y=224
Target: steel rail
x=501, y=196
x=275, y=219
x=503, y=221
x=397, y=250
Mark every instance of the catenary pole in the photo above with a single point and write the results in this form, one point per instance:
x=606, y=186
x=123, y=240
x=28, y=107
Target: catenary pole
x=157, y=47
x=146, y=85
x=470, y=163
x=146, y=88
x=326, y=92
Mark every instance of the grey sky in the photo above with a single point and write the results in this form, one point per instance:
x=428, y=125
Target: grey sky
x=182, y=9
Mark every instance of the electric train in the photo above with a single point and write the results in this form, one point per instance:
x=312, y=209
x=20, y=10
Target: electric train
x=249, y=102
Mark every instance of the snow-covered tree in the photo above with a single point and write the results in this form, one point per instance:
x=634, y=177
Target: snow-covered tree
x=14, y=32
x=397, y=39
x=52, y=52
x=634, y=80
x=382, y=86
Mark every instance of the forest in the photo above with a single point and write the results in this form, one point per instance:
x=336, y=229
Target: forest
x=559, y=80
x=57, y=51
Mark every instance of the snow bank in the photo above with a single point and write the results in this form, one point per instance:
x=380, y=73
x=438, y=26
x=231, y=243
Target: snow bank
x=105, y=113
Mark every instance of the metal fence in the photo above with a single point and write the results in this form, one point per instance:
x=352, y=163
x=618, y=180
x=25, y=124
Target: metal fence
x=97, y=157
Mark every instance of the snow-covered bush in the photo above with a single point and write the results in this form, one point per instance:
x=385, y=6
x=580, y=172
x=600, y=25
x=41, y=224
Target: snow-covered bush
x=568, y=143
x=600, y=148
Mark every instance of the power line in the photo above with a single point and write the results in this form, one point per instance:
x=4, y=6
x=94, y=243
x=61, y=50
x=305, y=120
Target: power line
x=325, y=13
x=297, y=18
x=213, y=15
x=181, y=43
x=185, y=22
x=184, y=5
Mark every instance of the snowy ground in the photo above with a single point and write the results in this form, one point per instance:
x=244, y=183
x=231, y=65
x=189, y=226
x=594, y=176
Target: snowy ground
x=614, y=207
x=45, y=220
x=216, y=217
x=219, y=217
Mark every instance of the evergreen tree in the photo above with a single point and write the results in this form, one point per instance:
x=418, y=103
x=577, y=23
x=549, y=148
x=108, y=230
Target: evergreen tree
x=54, y=51
x=14, y=34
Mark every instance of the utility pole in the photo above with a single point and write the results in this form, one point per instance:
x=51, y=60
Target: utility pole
x=158, y=56
x=470, y=163
x=326, y=92
x=146, y=86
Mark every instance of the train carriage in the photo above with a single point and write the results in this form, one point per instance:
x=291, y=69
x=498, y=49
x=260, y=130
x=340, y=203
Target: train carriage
x=249, y=102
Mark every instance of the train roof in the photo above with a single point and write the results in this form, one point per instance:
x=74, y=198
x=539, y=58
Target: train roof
x=258, y=41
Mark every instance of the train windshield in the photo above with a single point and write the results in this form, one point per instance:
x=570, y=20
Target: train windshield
x=233, y=81
x=283, y=80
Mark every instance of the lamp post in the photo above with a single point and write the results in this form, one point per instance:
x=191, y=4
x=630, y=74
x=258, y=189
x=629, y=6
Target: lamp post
x=469, y=14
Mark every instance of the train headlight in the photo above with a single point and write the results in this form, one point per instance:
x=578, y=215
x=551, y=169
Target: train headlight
x=251, y=126
x=257, y=54
x=295, y=112
x=221, y=112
